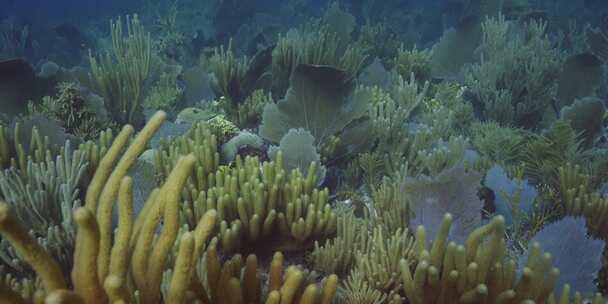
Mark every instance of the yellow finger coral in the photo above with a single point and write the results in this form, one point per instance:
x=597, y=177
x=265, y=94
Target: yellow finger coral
x=252, y=204
x=476, y=272
x=131, y=269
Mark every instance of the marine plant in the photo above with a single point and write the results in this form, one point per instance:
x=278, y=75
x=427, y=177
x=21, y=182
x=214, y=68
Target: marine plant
x=119, y=74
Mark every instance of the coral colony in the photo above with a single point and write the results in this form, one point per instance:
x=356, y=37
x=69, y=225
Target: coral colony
x=312, y=152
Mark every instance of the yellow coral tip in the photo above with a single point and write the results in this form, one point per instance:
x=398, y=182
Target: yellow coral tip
x=162, y=115
x=82, y=215
x=4, y=212
x=128, y=128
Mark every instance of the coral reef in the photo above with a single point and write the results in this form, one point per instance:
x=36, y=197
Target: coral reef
x=103, y=268
x=353, y=151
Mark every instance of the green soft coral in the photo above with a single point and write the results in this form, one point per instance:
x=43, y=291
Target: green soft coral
x=120, y=74
x=515, y=82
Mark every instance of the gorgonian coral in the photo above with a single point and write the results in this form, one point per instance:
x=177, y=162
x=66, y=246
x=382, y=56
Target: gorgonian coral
x=577, y=256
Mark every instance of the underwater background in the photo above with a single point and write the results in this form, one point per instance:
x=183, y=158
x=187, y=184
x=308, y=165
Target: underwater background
x=353, y=151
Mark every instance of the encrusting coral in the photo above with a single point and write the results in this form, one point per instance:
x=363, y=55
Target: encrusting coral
x=128, y=266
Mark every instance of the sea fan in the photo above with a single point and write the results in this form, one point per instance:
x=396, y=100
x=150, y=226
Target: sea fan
x=505, y=188
x=298, y=152
x=577, y=257
x=454, y=191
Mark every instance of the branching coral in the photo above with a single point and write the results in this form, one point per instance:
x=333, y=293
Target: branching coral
x=131, y=269
x=252, y=203
x=443, y=156
x=14, y=152
x=383, y=251
x=379, y=40
x=338, y=255
x=414, y=62
x=388, y=207
x=43, y=197
x=249, y=113
x=165, y=95
x=543, y=155
x=119, y=75
x=578, y=199
x=225, y=284
x=312, y=47
x=476, y=272
x=36, y=138
x=357, y=290
x=447, y=111
x=502, y=145
x=70, y=108
x=230, y=73
x=516, y=80
x=391, y=111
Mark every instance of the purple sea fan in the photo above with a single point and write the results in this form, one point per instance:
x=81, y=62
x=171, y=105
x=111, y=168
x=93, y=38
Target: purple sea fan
x=454, y=191
x=577, y=257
